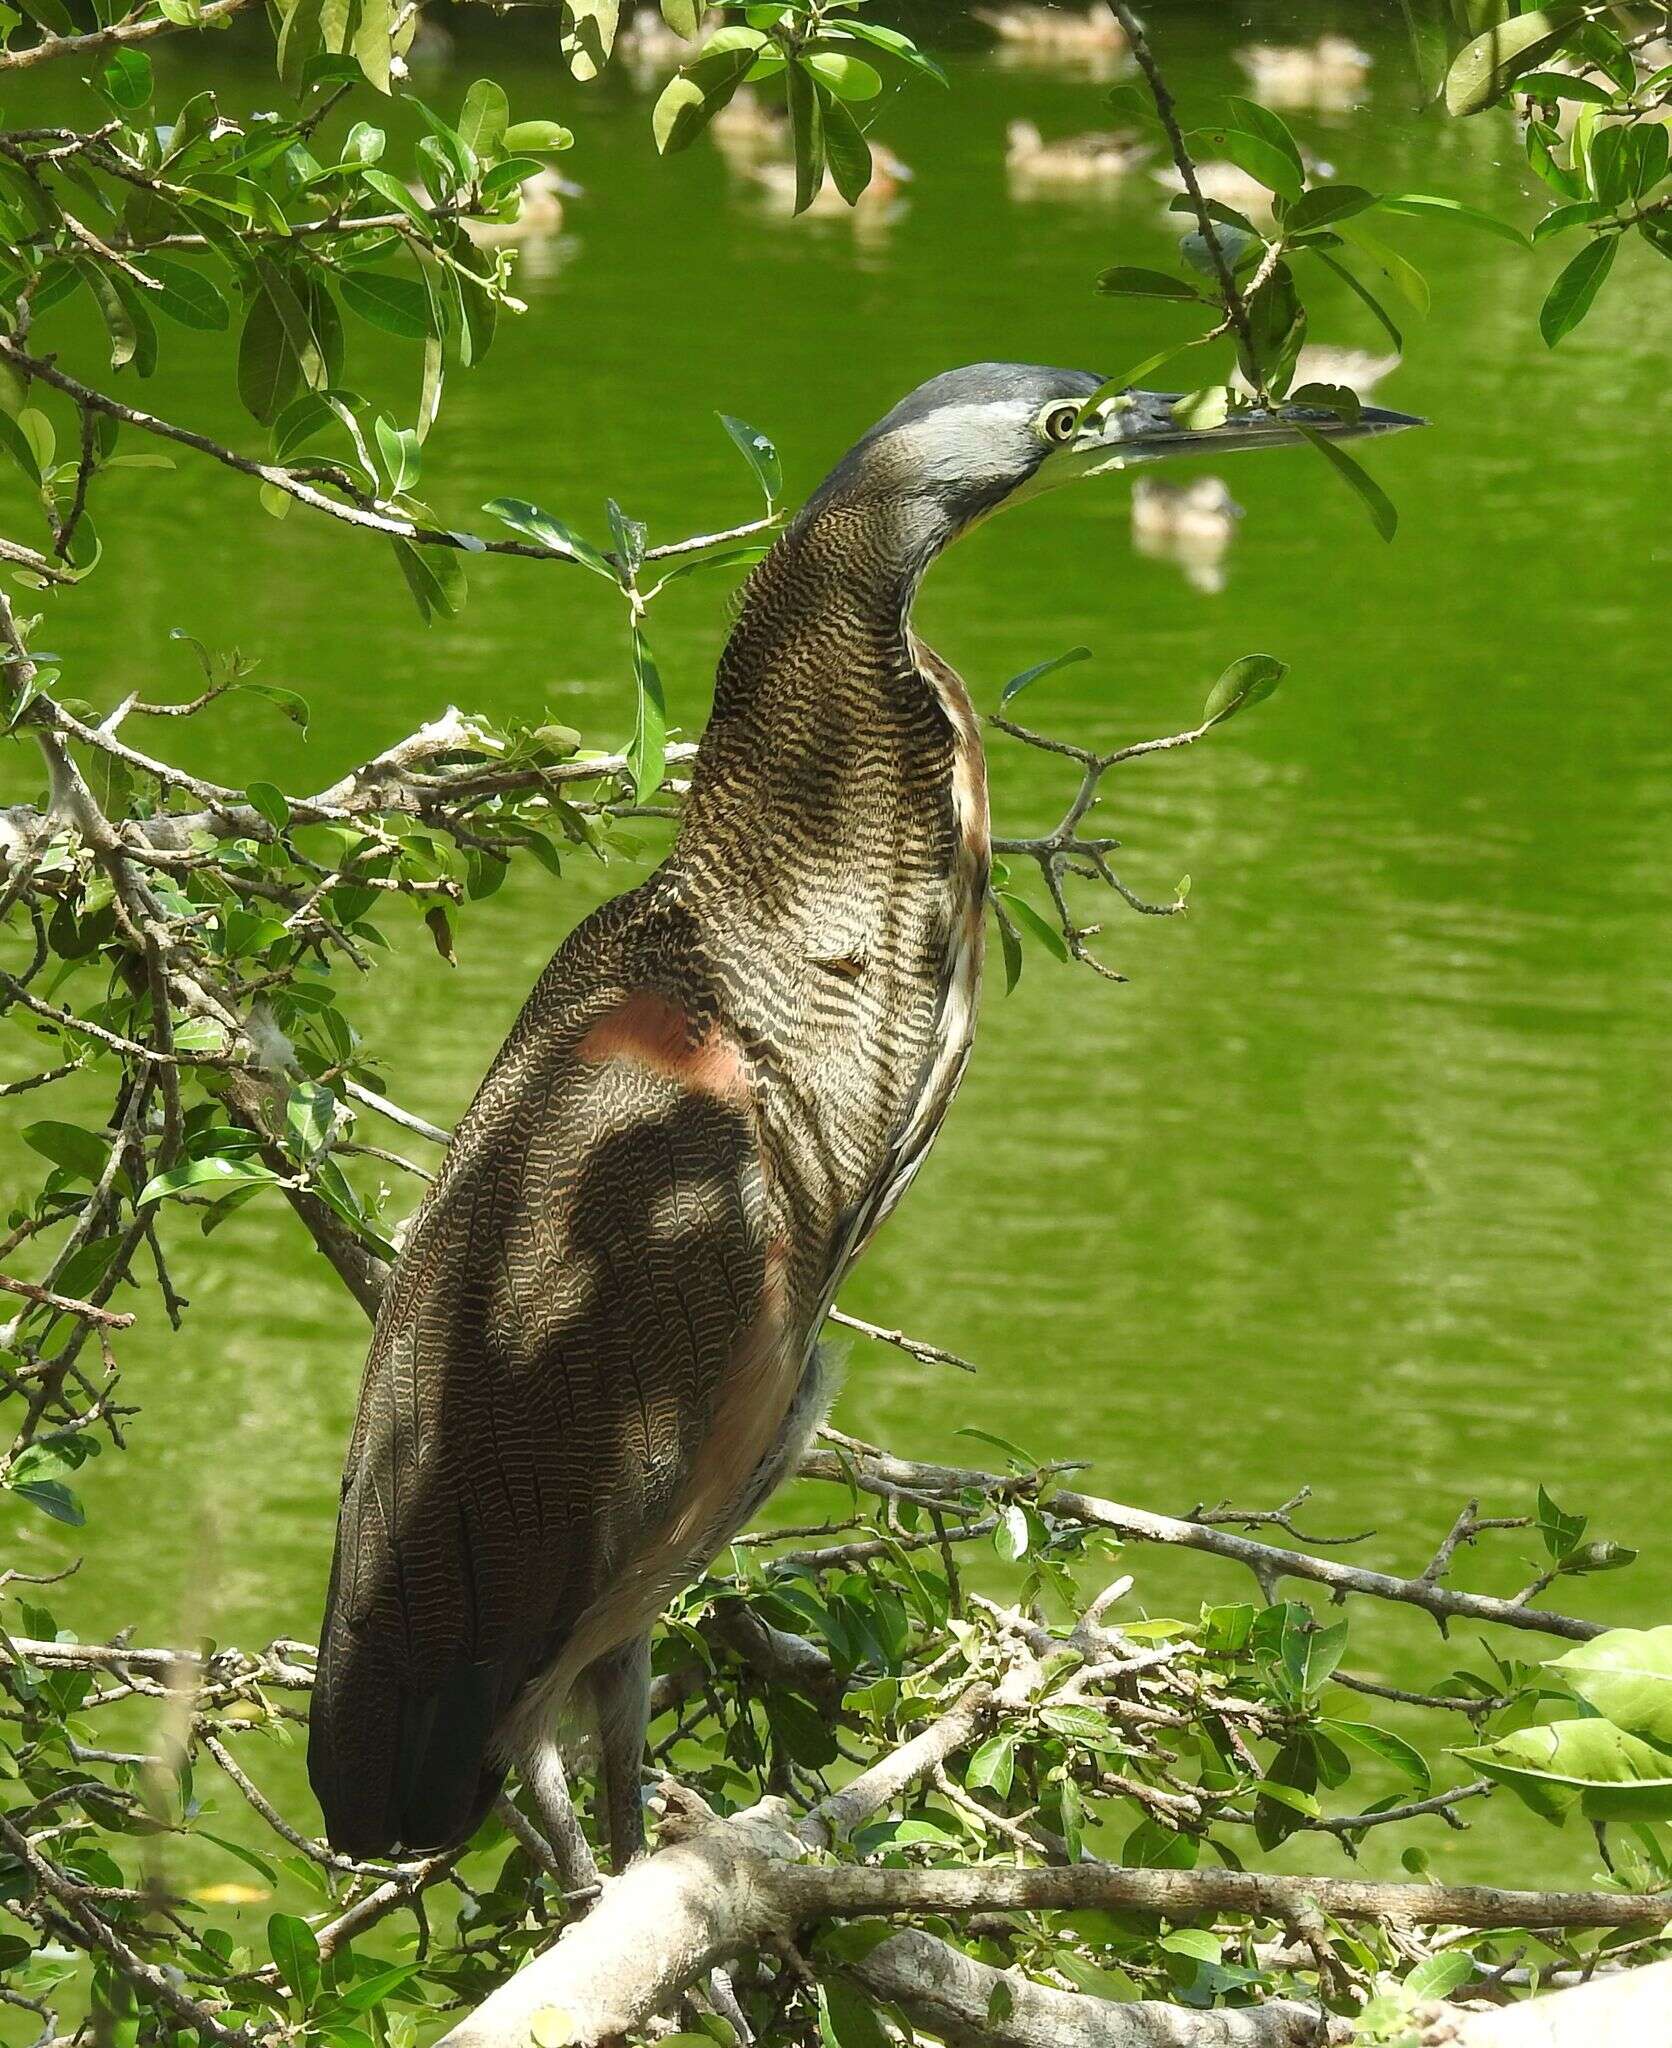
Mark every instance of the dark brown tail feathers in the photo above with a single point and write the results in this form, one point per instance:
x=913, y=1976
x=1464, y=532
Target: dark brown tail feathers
x=396, y=1770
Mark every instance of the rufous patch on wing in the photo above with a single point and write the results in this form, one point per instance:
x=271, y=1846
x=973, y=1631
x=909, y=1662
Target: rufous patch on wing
x=649, y=1031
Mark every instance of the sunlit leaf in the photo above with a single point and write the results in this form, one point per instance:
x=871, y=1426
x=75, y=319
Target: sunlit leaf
x=1486, y=68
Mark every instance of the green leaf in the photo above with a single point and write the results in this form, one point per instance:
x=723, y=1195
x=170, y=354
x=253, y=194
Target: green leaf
x=389, y=187
x=1286, y=1790
x=1202, y=411
x=1485, y=69
x=682, y=111
x=647, y=755
x=542, y=137
x=1432, y=204
x=1249, y=117
x=692, y=98
x=897, y=45
x=52, y=1497
x=1245, y=682
x=399, y=305
x=1559, y=1531
x=1574, y=292
x=16, y=444
x=1363, y=292
x=1609, y=1774
x=535, y=524
x=1130, y=281
x=187, y=296
x=293, y=706
x=366, y=1994
x=1438, y=1976
x=1402, y=274
x=1022, y=913
x=1383, y=515
x=402, y=454
x=83, y=1153
x=434, y=575
x=1310, y=1654
x=1010, y=1536
x=847, y=2018
x=1029, y=676
x=484, y=118
x=270, y=803
x=126, y=80
x=993, y=1766
x=1011, y=946
x=295, y=1952
x=1392, y=1749
x=1196, y=1942
x=124, y=338
x=213, y=1177
x=1263, y=160
x=588, y=35
x=758, y=452
x=1559, y=85
x=848, y=78
x=269, y=369
x=1082, y=1725
x=806, y=135
x=848, y=152
x=1626, y=1675
x=1321, y=204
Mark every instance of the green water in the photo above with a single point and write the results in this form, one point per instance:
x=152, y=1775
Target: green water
x=1361, y=1180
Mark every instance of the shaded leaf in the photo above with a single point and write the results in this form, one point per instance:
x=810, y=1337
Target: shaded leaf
x=1131, y=281
x=1574, y=292
x=1029, y=676
x=1383, y=514
x=1247, y=681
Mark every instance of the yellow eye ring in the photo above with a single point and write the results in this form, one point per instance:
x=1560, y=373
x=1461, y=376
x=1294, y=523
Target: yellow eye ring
x=1057, y=423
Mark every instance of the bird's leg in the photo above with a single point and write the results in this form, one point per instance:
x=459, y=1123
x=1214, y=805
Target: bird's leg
x=620, y=1686
x=548, y=1789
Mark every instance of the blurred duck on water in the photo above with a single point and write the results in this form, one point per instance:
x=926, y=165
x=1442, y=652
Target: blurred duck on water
x=646, y=45
x=1096, y=159
x=873, y=211
x=1356, y=368
x=1090, y=39
x=747, y=129
x=1190, y=524
x=539, y=216
x=1328, y=75
x=1229, y=185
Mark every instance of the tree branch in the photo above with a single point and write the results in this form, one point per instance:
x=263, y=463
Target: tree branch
x=281, y=478
x=119, y=33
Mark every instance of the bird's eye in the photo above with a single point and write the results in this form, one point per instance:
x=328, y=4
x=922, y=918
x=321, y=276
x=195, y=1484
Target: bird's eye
x=1057, y=423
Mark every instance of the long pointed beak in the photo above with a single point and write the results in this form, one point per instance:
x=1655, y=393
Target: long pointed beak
x=1140, y=426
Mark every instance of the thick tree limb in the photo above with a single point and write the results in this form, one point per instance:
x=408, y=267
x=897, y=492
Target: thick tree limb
x=851, y=1890
x=1633, y=2007
x=950, y=1992
x=741, y=1884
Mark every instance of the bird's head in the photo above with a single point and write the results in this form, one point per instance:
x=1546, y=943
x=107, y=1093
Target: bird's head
x=974, y=440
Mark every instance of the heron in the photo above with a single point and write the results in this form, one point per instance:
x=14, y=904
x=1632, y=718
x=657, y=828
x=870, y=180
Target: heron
x=598, y=1351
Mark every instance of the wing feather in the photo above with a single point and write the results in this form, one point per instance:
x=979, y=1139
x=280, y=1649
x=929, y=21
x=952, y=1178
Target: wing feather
x=547, y=1362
